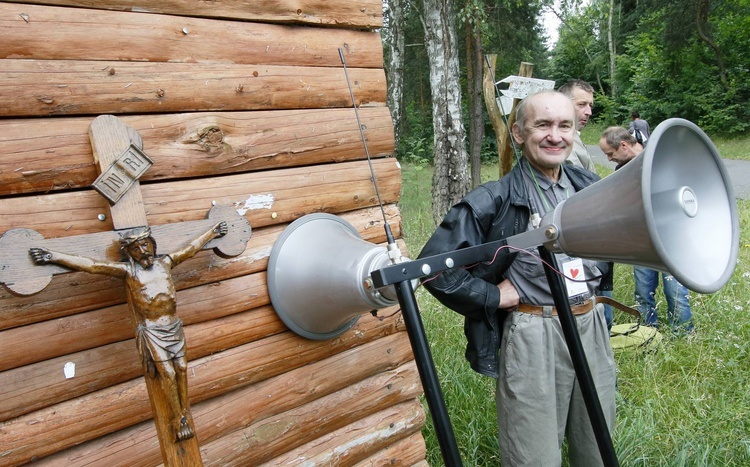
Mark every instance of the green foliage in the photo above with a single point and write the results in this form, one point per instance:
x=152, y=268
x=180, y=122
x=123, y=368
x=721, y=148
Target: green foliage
x=509, y=28
x=580, y=53
x=417, y=145
x=512, y=32
x=684, y=84
x=416, y=150
x=664, y=68
x=686, y=405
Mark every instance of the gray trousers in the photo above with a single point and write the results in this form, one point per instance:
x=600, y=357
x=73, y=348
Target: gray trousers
x=539, y=401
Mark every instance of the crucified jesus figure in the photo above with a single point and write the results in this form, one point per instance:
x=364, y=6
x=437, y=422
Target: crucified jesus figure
x=151, y=296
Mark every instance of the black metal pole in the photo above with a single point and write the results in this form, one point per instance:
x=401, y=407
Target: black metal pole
x=577, y=355
x=428, y=374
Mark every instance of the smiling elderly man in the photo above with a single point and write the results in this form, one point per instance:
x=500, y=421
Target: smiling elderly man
x=511, y=323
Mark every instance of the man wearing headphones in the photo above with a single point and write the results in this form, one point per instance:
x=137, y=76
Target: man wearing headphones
x=621, y=147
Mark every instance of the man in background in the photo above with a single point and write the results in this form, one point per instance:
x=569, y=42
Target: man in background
x=639, y=128
x=621, y=147
x=582, y=95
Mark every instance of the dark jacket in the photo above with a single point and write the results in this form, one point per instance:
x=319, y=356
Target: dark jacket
x=493, y=211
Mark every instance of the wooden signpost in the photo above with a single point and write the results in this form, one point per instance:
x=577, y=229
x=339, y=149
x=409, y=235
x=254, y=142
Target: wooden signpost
x=130, y=253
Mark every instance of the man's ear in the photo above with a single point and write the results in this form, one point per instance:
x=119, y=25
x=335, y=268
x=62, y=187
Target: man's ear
x=517, y=136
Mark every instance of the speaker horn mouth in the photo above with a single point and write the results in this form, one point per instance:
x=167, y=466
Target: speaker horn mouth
x=319, y=276
x=698, y=240
x=671, y=208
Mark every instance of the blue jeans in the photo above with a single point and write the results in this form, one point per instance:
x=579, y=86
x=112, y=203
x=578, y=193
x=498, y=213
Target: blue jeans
x=678, y=301
x=609, y=313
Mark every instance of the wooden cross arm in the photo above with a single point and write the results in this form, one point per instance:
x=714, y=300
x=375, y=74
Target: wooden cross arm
x=22, y=276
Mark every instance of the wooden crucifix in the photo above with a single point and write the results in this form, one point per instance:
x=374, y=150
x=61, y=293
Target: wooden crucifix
x=130, y=254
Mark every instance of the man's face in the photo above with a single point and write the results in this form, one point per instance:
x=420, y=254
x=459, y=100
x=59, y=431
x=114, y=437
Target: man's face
x=143, y=252
x=583, y=102
x=621, y=154
x=548, y=136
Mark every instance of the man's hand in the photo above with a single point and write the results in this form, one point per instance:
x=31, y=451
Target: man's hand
x=40, y=255
x=221, y=229
x=508, y=295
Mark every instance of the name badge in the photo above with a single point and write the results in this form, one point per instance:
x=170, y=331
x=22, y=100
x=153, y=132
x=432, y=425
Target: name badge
x=573, y=269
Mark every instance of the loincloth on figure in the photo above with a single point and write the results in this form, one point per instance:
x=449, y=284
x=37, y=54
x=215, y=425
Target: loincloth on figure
x=162, y=342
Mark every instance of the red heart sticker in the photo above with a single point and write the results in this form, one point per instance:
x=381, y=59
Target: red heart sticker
x=574, y=273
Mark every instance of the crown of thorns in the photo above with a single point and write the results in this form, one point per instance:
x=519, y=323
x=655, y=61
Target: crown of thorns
x=133, y=235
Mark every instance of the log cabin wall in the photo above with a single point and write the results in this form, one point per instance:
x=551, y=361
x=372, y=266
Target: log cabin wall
x=241, y=103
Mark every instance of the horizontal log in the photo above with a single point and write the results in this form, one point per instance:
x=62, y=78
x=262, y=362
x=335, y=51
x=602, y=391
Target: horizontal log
x=50, y=154
x=68, y=87
x=356, y=442
x=338, y=13
x=72, y=214
x=33, y=387
x=70, y=334
x=78, y=292
x=45, y=432
x=24, y=389
x=408, y=451
x=58, y=33
x=264, y=198
x=217, y=316
x=275, y=435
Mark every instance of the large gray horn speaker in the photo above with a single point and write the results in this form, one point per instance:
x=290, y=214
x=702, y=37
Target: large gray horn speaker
x=319, y=276
x=672, y=208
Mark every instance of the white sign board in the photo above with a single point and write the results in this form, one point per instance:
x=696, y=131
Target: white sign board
x=518, y=88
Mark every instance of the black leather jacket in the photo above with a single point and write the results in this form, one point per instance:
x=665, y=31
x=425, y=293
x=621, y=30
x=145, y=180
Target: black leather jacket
x=493, y=211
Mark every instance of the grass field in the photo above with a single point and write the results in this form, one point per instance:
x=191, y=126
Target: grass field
x=688, y=404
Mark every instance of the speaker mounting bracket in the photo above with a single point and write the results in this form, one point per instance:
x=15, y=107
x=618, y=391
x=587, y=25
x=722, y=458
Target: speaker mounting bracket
x=429, y=265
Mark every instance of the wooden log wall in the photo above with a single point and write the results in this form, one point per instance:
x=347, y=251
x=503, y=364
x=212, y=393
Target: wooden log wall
x=238, y=103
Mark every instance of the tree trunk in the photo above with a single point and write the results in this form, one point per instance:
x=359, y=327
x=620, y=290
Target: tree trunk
x=451, y=180
x=497, y=119
x=393, y=38
x=701, y=18
x=474, y=67
x=612, y=51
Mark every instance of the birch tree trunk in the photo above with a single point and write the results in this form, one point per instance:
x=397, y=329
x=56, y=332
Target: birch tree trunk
x=612, y=51
x=393, y=38
x=474, y=68
x=451, y=180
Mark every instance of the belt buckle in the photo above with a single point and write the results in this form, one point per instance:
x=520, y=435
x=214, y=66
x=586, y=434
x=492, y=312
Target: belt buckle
x=579, y=299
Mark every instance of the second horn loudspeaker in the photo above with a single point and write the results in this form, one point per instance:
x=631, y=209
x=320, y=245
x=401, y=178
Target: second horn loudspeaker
x=672, y=208
x=319, y=276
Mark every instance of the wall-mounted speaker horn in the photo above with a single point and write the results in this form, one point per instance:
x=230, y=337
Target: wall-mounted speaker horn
x=672, y=208
x=319, y=276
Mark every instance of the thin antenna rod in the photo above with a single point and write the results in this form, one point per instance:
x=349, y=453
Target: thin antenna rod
x=388, y=233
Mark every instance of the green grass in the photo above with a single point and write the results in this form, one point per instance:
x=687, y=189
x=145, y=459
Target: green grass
x=686, y=405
